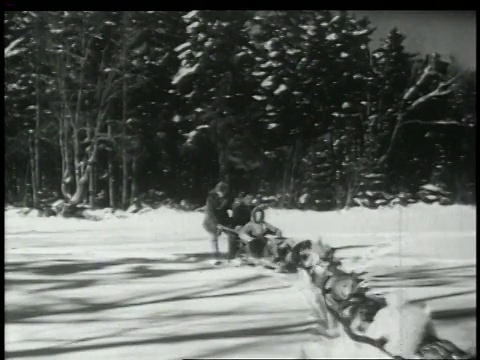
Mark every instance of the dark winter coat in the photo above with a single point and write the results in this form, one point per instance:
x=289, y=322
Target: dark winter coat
x=241, y=214
x=216, y=212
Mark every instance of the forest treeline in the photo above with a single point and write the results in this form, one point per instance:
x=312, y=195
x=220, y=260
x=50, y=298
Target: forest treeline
x=115, y=108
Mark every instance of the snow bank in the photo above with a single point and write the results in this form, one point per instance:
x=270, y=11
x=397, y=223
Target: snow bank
x=405, y=221
x=391, y=231
x=412, y=219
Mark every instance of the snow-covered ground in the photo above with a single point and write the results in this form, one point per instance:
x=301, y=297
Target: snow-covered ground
x=142, y=287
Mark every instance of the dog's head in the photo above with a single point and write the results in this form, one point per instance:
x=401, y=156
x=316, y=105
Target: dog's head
x=344, y=285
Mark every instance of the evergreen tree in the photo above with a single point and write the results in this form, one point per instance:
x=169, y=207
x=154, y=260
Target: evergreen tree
x=104, y=107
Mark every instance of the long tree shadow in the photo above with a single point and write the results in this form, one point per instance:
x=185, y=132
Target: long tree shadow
x=141, y=268
x=419, y=271
x=30, y=232
x=247, y=332
x=454, y=313
x=138, y=268
x=422, y=276
x=68, y=266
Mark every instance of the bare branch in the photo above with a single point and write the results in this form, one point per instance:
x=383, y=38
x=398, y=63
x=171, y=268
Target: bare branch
x=427, y=72
x=60, y=79
x=441, y=90
x=9, y=50
x=102, y=67
x=66, y=180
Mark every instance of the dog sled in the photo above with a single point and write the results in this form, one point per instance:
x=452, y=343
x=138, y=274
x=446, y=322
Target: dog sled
x=256, y=252
x=344, y=301
x=279, y=253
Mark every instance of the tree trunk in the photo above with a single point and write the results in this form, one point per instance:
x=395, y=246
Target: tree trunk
x=38, y=109
x=334, y=163
x=111, y=176
x=294, y=164
x=396, y=131
x=111, y=183
x=25, y=186
x=124, y=178
x=352, y=183
x=80, y=169
x=34, y=177
x=91, y=187
x=124, y=114
x=76, y=156
x=222, y=162
x=36, y=148
x=288, y=166
x=133, y=190
x=61, y=141
x=284, y=185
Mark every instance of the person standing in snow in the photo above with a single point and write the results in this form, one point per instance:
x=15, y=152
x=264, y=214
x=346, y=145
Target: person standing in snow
x=216, y=213
x=241, y=211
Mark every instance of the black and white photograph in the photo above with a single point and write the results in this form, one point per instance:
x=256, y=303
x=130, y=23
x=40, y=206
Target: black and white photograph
x=240, y=184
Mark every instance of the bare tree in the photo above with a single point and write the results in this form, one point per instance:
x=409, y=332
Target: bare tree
x=36, y=134
x=76, y=129
x=412, y=101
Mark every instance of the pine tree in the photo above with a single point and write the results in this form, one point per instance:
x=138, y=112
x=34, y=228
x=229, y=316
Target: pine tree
x=342, y=86
x=214, y=75
x=291, y=104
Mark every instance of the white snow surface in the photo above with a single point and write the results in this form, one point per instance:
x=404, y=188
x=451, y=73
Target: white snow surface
x=141, y=287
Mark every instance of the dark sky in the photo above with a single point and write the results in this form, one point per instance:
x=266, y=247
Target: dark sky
x=446, y=32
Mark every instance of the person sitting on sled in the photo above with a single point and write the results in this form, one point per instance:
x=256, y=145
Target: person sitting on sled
x=254, y=232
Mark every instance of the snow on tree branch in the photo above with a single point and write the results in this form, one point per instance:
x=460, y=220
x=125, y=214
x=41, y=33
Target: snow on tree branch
x=183, y=72
x=442, y=90
x=437, y=122
x=10, y=49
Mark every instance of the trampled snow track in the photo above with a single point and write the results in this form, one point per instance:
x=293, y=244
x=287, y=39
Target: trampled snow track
x=138, y=287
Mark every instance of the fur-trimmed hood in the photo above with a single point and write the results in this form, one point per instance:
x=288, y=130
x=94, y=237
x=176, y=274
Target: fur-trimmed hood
x=257, y=209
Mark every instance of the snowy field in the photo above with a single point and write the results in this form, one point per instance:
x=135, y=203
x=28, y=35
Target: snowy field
x=142, y=287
